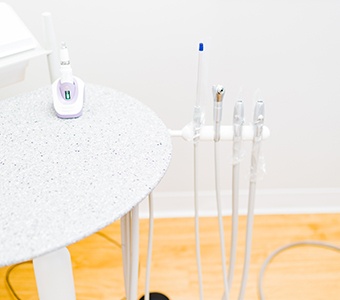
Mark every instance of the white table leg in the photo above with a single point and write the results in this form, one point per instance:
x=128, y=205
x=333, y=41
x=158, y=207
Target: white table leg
x=130, y=251
x=134, y=235
x=54, y=277
x=125, y=240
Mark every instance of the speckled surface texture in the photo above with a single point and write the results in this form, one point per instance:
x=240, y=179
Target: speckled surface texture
x=62, y=180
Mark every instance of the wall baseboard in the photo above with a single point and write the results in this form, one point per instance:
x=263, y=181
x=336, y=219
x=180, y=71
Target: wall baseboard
x=274, y=201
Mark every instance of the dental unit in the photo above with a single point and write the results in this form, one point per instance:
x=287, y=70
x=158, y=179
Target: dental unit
x=68, y=90
x=197, y=131
x=237, y=133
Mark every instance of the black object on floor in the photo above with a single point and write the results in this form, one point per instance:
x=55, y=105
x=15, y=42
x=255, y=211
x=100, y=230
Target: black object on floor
x=156, y=296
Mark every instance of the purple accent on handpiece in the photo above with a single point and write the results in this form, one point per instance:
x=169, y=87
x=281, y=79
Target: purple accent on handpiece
x=69, y=116
x=70, y=89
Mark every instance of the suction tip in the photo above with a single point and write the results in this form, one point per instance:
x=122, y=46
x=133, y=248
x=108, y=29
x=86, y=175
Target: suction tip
x=240, y=96
x=258, y=95
x=201, y=47
x=46, y=14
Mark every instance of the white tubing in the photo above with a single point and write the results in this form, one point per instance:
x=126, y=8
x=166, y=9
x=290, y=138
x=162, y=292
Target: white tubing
x=220, y=223
x=234, y=223
x=285, y=247
x=197, y=232
x=251, y=205
x=249, y=234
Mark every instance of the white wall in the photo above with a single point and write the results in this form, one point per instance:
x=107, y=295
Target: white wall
x=289, y=49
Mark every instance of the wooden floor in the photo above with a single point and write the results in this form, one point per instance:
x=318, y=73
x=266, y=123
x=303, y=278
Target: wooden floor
x=299, y=273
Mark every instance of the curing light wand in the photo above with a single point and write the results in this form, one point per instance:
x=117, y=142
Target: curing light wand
x=198, y=119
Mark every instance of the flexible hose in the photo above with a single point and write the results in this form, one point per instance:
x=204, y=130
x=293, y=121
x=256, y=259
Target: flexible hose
x=234, y=223
x=283, y=248
x=220, y=222
x=249, y=234
x=250, y=218
x=197, y=231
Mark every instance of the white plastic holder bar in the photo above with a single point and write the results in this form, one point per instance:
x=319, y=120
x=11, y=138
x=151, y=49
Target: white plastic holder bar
x=54, y=277
x=227, y=133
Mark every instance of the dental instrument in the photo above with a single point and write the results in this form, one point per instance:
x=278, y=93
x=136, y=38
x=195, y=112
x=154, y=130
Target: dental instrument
x=218, y=95
x=258, y=121
x=68, y=91
x=198, y=121
x=238, y=121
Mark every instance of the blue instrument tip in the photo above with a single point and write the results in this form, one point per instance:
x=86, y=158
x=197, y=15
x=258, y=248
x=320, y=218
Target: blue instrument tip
x=201, y=47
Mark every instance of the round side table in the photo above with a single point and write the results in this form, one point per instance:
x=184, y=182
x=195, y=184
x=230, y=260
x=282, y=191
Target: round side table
x=65, y=179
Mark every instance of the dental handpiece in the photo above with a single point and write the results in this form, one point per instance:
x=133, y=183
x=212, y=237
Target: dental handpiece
x=258, y=122
x=238, y=122
x=238, y=119
x=258, y=119
x=218, y=93
x=67, y=86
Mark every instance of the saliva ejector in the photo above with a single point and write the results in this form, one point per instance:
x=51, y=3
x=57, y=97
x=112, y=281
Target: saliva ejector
x=68, y=90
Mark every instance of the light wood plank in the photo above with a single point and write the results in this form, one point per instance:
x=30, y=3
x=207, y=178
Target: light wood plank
x=299, y=273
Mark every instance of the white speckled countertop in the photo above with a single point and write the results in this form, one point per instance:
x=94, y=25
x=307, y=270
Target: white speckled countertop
x=62, y=180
